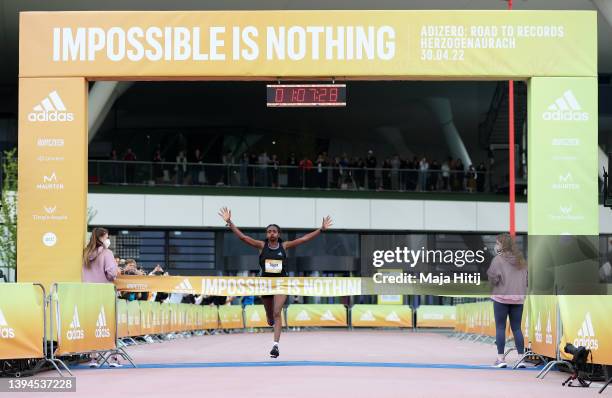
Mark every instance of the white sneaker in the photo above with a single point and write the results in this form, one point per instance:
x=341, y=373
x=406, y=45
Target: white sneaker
x=500, y=364
x=93, y=364
x=115, y=365
x=520, y=365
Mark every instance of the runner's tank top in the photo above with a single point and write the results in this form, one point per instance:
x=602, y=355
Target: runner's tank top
x=273, y=261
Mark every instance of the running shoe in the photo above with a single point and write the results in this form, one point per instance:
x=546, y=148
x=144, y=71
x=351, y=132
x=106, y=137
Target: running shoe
x=93, y=364
x=274, y=353
x=500, y=364
x=115, y=365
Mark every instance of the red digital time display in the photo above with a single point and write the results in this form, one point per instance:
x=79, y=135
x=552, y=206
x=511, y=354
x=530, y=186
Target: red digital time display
x=306, y=95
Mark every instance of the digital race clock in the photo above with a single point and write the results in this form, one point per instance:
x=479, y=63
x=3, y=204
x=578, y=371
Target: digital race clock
x=304, y=95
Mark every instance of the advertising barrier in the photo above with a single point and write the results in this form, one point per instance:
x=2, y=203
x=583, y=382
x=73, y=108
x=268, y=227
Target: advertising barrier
x=230, y=317
x=21, y=326
x=85, y=314
x=122, y=319
x=317, y=315
x=384, y=315
x=436, y=316
x=586, y=322
x=255, y=317
x=134, y=317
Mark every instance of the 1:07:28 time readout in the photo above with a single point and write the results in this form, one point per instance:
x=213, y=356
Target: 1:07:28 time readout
x=306, y=95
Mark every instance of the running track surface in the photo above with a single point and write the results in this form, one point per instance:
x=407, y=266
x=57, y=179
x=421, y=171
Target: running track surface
x=322, y=364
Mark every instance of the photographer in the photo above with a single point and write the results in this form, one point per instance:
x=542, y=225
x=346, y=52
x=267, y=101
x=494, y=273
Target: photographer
x=508, y=277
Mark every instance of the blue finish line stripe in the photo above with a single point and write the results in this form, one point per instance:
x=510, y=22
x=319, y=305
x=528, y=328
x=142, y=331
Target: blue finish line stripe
x=190, y=365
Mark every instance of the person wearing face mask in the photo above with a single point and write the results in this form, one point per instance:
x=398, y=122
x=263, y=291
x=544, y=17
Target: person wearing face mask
x=99, y=266
x=272, y=261
x=508, y=277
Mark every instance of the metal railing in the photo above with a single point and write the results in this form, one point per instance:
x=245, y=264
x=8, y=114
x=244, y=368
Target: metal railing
x=109, y=172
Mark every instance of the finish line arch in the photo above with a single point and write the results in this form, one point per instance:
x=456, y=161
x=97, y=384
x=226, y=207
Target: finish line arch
x=60, y=52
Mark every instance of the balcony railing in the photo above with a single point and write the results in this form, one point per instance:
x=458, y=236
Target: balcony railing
x=281, y=176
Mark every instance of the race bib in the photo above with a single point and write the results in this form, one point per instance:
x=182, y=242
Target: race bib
x=274, y=266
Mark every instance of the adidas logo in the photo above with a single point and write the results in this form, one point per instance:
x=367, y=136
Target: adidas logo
x=538, y=330
x=75, y=332
x=50, y=183
x=184, y=287
x=566, y=108
x=328, y=316
x=302, y=316
x=586, y=334
x=5, y=331
x=565, y=210
x=392, y=317
x=367, y=317
x=102, y=331
x=548, y=337
x=51, y=109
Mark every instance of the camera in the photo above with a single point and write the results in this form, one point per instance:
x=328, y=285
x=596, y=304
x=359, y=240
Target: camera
x=579, y=354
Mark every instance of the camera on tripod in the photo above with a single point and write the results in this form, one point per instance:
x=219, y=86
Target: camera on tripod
x=581, y=371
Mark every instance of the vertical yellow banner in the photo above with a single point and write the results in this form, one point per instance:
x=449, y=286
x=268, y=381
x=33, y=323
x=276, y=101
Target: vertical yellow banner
x=21, y=321
x=52, y=179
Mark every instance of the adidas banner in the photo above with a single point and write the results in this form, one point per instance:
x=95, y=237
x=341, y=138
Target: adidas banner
x=586, y=322
x=86, y=316
x=122, y=318
x=317, y=315
x=211, y=317
x=21, y=321
x=52, y=179
x=543, y=324
x=241, y=286
x=308, y=43
x=387, y=315
x=230, y=317
x=436, y=316
x=134, y=318
x=255, y=317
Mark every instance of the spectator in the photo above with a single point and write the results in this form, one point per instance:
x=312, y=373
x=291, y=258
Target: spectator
x=292, y=172
x=371, y=165
x=413, y=173
x=197, y=173
x=263, y=161
x=423, y=173
x=305, y=171
x=396, y=163
x=99, y=266
x=321, y=172
x=446, y=174
x=386, y=174
x=274, y=169
x=336, y=173
x=158, y=172
x=359, y=173
x=434, y=174
x=244, y=170
x=481, y=173
x=115, y=167
x=181, y=167
x=508, y=277
x=471, y=179
x=130, y=170
x=252, y=165
x=226, y=172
